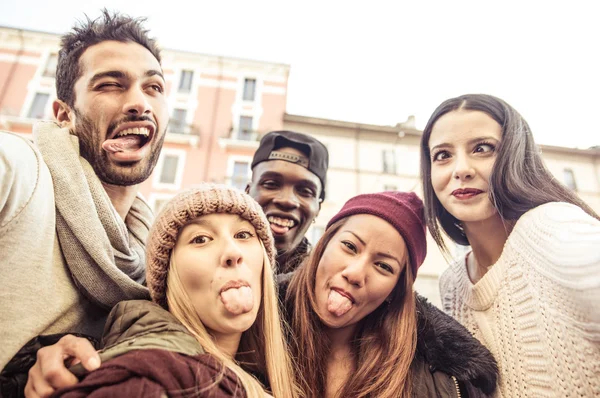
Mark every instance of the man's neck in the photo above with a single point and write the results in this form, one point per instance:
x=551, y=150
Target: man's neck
x=122, y=197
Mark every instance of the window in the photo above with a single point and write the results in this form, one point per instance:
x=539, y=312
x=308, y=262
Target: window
x=239, y=179
x=185, y=82
x=38, y=106
x=249, y=89
x=389, y=161
x=178, y=123
x=390, y=187
x=245, y=130
x=169, y=169
x=159, y=204
x=569, y=178
x=50, y=69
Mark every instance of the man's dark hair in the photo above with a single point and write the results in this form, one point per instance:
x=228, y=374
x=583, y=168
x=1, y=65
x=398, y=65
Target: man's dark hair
x=115, y=26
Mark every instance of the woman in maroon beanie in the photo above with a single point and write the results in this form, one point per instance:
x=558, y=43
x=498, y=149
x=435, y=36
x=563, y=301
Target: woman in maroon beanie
x=360, y=330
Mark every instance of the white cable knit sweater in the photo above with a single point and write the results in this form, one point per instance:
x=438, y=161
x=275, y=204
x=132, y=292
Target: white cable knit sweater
x=538, y=308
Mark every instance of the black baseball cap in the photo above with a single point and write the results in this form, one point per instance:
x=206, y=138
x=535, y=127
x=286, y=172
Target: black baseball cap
x=316, y=160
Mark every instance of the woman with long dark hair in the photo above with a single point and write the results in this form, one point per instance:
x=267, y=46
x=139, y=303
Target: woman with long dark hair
x=530, y=285
x=358, y=328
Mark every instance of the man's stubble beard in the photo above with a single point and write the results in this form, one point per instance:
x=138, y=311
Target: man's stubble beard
x=90, y=148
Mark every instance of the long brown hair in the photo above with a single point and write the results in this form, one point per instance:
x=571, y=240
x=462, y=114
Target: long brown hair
x=519, y=180
x=263, y=346
x=384, y=344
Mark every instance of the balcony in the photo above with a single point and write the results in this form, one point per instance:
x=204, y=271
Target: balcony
x=180, y=133
x=241, y=139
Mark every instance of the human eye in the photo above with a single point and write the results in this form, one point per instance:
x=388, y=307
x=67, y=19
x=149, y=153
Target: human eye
x=484, y=147
x=107, y=85
x=157, y=87
x=385, y=267
x=200, y=240
x=307, y=192
x=270, y=184
x=244, y=235
x=349, y=245
x=440, y=156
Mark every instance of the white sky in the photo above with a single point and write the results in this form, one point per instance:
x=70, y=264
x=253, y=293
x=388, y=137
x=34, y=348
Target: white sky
x=379, y=63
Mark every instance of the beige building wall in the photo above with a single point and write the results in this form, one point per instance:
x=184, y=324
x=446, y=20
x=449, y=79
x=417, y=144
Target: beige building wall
x=357, y=166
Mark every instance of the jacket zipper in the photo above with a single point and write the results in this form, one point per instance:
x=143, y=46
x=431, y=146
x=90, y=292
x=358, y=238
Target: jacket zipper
x=456, y=385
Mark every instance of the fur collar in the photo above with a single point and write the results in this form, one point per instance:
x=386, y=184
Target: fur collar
x=446, y=345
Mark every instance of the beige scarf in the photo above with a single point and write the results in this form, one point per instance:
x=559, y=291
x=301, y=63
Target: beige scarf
x=105, y=255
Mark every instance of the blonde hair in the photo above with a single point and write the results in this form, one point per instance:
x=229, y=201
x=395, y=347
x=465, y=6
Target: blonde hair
x=263, y=345
x=383, y=347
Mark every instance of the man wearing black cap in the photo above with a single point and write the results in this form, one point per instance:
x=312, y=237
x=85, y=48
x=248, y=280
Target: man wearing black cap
x=289, y=171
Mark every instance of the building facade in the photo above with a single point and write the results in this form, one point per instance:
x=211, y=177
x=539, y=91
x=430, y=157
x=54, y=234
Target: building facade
x=221, y=106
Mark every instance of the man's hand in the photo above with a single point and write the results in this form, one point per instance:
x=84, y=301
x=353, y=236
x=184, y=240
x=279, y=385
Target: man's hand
x=50, y=370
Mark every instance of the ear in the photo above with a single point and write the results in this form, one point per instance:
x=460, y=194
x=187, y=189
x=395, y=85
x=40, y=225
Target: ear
x=63, y=114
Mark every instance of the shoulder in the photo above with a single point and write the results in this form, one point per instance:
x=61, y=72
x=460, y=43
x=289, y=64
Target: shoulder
x=21, y=167
x=447, y=346
x=137, y=324
x=561, y=241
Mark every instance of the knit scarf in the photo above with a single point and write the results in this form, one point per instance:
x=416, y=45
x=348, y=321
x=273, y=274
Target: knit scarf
x=106, y=256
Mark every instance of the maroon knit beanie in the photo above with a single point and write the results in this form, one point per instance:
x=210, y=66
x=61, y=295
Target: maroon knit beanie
x=403, y=210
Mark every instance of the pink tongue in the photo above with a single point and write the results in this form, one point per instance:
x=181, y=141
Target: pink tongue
x=338, y=304
x=123, y=144
x=238, y=301
x=278, y=229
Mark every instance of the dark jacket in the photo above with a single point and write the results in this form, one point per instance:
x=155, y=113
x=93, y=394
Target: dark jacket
x=449, y=361
x=148, y=353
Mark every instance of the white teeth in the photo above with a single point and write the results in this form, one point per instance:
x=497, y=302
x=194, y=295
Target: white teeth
x=282, y=222
x=143, y=131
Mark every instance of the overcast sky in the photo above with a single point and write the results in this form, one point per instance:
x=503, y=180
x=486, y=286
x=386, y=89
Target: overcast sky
x=381, y=62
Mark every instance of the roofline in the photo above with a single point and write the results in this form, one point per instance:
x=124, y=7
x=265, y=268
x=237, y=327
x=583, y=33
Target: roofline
x=278, y=64
x=287, y=117
x=317, y=121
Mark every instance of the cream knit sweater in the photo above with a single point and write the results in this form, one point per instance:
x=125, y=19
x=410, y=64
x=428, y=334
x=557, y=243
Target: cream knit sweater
x=538, y=308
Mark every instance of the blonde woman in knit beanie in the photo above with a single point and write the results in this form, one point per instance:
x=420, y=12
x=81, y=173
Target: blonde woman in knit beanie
x=213, y=322
x=529, y=286
x=360, y=331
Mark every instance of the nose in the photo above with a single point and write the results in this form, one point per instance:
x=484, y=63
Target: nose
x=463, y=169
x=136, y=102
x=355, y=273
x=232, y=255
x=286, y=199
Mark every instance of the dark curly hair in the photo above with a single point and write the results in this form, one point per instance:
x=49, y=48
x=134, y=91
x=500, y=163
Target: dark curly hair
x=109, y=26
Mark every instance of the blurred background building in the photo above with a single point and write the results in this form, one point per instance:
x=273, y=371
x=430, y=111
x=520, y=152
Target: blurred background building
x=221, y=106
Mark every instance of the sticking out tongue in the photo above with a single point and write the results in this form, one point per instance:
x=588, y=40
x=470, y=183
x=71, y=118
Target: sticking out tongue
x=338, y=304
x=238, y=301
x=128, y=143
x=278, y=229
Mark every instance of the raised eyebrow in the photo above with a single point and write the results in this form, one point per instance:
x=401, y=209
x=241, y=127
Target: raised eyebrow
x=482, y=138
x=356, y=236
x=154, y=72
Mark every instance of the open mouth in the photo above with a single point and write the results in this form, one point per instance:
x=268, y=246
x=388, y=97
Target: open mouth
x=281, y=225
x=129, y=144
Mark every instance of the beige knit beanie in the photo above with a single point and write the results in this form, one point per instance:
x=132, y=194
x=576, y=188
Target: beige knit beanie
x=187, y=206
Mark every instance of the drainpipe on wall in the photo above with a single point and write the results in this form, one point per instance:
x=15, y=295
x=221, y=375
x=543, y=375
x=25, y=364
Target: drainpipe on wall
x=13, y=68
x=213, y=123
